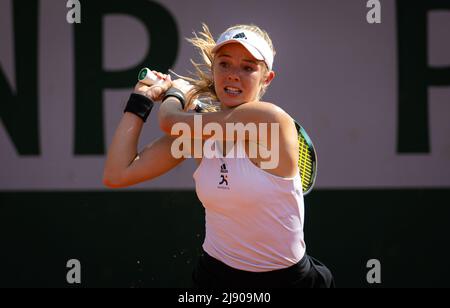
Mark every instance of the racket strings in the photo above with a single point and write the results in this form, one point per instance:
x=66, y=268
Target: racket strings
x=305, y=163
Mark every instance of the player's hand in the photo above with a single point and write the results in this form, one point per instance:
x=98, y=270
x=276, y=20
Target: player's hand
x=182, y=85
x=154, y=92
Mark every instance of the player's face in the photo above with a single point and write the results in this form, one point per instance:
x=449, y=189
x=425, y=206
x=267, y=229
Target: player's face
x=238, y=76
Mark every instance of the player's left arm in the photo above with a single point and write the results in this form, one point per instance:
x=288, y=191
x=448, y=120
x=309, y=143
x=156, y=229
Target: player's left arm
x=253, y=113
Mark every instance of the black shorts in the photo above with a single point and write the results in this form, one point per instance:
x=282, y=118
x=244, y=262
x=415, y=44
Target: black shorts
x=211, y=273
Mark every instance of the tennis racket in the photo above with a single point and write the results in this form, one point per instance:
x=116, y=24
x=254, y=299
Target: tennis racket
x=307, y=158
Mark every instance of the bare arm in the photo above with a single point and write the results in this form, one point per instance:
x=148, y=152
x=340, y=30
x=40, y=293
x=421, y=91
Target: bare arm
x=254, y=113
x=245, y=116
x=275, y=130
x=124, y=166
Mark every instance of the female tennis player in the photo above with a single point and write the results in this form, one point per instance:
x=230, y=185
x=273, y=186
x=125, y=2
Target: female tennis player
x=254, y=215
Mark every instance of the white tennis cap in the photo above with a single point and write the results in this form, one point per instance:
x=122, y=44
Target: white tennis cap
x=254, y=43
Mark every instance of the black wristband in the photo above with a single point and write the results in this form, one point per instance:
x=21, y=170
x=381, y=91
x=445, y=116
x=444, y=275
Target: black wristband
x=177, y=93
x=140, y=105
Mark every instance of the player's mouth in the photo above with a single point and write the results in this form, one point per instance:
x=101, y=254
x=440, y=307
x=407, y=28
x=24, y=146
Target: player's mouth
x=232, y=91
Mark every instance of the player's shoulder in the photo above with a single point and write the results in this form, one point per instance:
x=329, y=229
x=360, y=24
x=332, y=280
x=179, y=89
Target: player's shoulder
x=279, y=113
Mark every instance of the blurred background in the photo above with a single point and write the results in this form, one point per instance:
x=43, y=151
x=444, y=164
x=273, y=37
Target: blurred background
x=374, y=97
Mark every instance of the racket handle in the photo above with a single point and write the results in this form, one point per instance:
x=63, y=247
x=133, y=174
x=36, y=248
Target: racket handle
x=147, y=77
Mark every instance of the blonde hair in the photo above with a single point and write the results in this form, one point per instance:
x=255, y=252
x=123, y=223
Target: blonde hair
x=203, y=82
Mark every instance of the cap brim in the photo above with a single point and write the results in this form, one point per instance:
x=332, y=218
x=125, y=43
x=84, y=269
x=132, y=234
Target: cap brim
x=254, y=52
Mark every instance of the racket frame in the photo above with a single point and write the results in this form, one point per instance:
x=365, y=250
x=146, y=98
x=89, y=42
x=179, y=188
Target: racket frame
x=301, y=131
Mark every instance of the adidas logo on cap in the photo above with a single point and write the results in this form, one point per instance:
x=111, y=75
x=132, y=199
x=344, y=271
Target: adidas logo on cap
x=240, y=36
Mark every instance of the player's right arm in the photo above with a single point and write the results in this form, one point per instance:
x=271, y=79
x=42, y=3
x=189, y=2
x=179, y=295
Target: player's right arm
x=124, y=166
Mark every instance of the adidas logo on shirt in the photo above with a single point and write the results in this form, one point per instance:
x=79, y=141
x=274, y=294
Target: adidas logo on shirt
x=223, y=169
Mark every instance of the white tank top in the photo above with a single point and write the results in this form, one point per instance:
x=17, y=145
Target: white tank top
x=254, y=219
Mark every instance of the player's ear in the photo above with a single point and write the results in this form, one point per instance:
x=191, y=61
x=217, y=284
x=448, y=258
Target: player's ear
x=269, y=77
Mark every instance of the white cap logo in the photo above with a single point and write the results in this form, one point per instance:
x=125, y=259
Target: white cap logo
x=240, y=35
